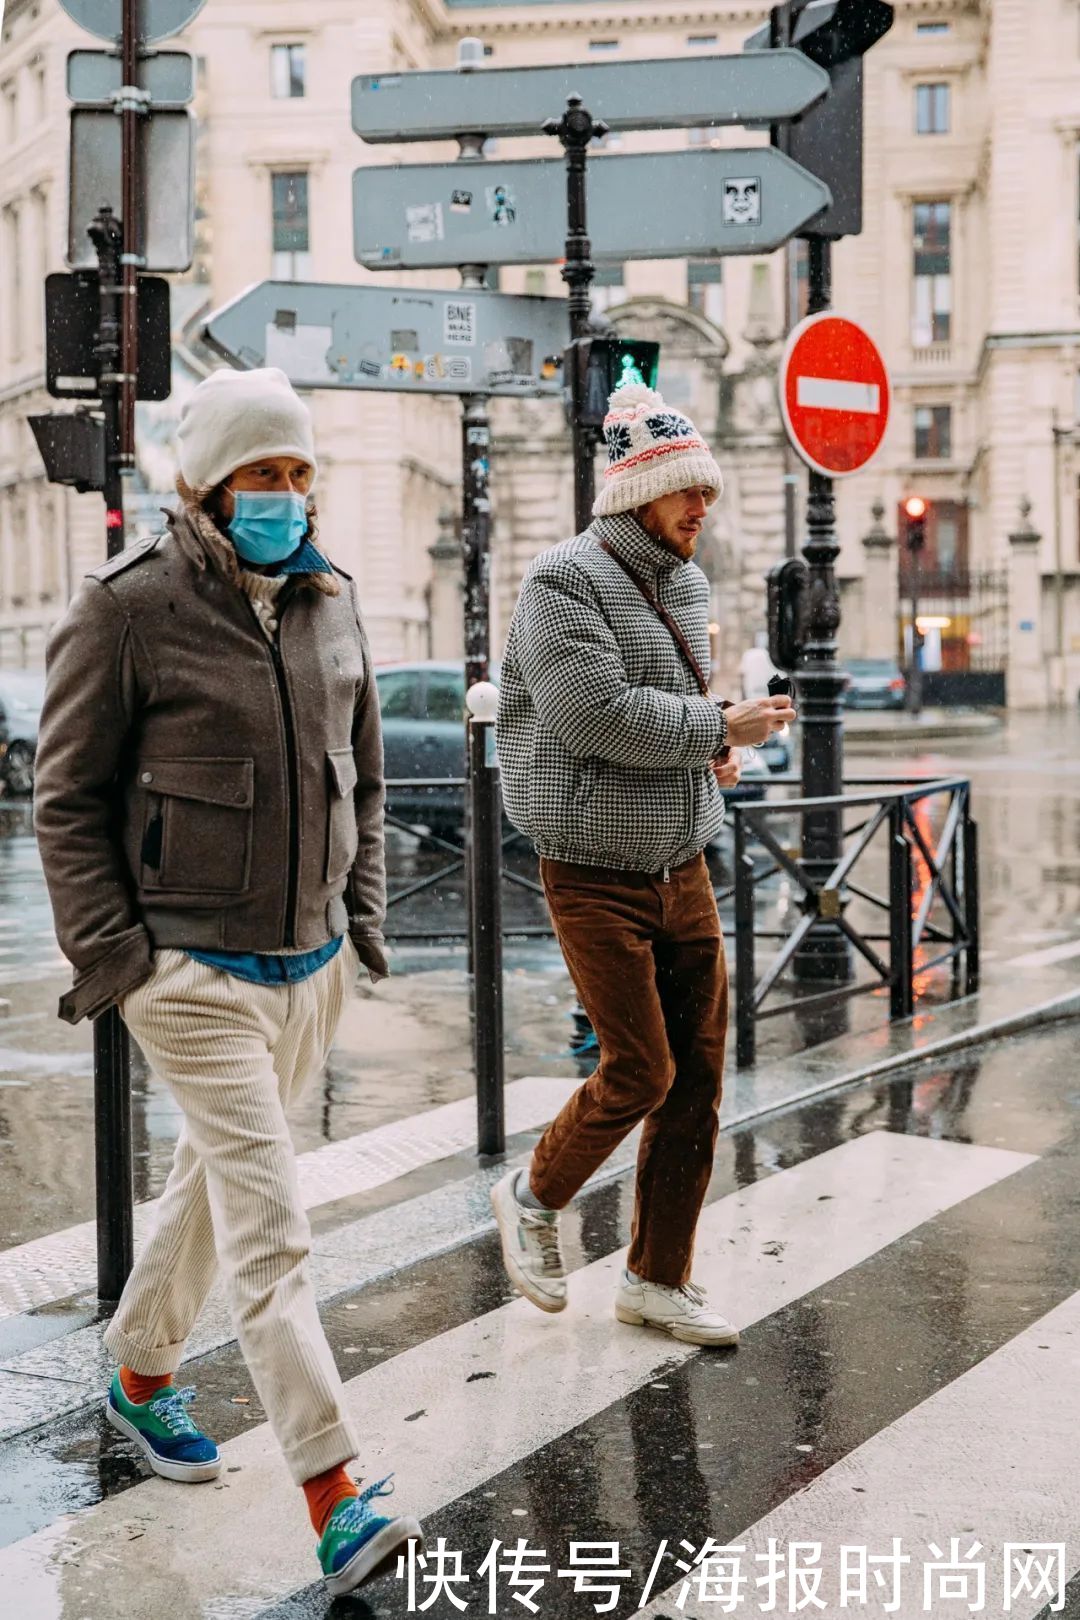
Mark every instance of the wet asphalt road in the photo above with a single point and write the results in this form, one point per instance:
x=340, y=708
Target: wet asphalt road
x=715, y=1442
x=405, y=1046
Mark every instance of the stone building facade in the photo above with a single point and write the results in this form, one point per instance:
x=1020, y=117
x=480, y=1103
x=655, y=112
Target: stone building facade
x=966, y=274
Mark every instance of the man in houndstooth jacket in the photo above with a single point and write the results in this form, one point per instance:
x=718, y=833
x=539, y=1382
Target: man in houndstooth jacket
x=613, y=755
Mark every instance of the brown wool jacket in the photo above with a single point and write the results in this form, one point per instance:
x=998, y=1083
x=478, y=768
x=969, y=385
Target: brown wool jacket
x=198, y=788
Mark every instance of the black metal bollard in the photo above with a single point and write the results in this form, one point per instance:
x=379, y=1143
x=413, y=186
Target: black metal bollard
x=112, y=1158
x=485, y=919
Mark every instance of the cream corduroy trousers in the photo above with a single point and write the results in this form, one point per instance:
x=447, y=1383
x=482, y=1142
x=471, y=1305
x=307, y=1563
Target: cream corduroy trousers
x=235, y=1055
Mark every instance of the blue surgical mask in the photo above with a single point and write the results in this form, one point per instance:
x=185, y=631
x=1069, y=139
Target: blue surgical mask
x=266, y=527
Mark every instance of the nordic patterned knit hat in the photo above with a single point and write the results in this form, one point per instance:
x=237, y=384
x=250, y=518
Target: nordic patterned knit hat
x=653, y=450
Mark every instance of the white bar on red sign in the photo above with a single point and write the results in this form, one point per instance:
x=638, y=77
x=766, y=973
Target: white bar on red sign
x=830, y=394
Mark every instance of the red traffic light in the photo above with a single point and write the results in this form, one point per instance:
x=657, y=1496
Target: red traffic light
x=915, y=507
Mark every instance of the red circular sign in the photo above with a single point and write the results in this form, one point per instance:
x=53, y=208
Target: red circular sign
x=834, y=394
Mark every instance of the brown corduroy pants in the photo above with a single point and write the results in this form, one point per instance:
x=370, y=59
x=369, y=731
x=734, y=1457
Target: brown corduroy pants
x=647, y=958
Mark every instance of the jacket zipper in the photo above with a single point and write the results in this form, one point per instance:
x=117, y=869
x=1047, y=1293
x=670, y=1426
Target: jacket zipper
x=288, y=721
x=689, y=783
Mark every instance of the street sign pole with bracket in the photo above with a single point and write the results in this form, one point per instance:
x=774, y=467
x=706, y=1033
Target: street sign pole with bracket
x=575, y=129
x=128, y=24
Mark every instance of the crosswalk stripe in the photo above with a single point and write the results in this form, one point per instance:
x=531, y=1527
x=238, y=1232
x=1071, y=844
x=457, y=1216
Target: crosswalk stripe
x=1047, y=957
x=63, y=1263
x=990, y=1458
x=70, y=1373
x=469, y=1403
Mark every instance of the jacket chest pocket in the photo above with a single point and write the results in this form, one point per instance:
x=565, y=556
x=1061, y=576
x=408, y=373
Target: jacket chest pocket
x=197, y=833
x=341, y=837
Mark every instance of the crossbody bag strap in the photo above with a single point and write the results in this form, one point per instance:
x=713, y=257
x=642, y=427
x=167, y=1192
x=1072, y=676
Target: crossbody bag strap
x=662, y=613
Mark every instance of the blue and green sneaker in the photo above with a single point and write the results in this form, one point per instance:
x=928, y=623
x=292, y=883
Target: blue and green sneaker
x=164, y=1433
x=358, y=1538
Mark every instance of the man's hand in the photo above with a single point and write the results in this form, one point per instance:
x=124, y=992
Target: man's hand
x=728, y=771
x=749, y=724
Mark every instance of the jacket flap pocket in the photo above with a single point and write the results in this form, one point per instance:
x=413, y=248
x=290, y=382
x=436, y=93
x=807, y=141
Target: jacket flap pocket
x=342, y=769
x=212, y=781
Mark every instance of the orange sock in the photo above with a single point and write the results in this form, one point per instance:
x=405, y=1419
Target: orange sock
x=324, y=1492
x=140, y=1387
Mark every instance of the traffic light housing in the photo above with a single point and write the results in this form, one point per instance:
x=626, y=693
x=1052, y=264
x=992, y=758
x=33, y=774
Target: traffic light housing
x=611, y=362
x=828, y=140
x=916, y=512
x=72, y=448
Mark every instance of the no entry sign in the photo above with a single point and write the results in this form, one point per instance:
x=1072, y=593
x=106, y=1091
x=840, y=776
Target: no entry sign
x=834, y=394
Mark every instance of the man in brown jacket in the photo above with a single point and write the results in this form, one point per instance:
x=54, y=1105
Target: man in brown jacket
x=209, y=807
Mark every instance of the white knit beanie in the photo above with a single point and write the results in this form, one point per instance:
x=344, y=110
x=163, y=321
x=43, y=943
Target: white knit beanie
x=234, y=417
x=653, y=450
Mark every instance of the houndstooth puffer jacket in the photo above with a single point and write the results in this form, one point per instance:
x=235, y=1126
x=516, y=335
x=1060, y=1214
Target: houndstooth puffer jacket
x=605, y=742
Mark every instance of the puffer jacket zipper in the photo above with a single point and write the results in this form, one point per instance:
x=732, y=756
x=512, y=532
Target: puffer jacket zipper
x=288, y=723
x=688, y=774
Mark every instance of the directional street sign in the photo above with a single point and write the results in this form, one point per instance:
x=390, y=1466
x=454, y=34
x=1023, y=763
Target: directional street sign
x=672, y=93
x=834, y=394
x=648, y=205
x=155, y=19
x=404, y=339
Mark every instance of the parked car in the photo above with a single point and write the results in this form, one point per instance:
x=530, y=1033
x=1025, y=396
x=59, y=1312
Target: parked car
x=22, y=692
x=875, y=683
x=423, y=718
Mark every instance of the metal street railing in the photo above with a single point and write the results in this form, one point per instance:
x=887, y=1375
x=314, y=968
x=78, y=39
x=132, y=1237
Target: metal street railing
x=928, y=875
x=925, y=908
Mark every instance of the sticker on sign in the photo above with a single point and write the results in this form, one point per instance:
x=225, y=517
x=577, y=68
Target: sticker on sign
x=459, y=326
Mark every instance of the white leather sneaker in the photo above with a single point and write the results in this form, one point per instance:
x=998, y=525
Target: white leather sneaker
x=683, y=1312
x=530, y=1246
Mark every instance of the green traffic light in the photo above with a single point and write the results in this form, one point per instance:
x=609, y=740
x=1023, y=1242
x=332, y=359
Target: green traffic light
x=629, y=372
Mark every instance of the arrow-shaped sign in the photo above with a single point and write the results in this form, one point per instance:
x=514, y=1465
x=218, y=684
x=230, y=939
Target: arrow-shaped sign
x=648, y=205
x=671, y=93
x=404, y=339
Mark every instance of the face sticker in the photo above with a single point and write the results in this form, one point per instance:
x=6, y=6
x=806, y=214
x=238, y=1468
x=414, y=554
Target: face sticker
x=742, y=202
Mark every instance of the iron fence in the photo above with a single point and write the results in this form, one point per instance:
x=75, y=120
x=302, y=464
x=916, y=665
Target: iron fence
x=931, y=905
x=925, y=909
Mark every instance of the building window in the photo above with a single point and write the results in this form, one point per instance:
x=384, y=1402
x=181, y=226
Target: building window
x=600, y=47
x=928, y=29
x=932, y=109
x=11, y=254
x=933, y=432
x=11, y=111
x=292, y=244
x=288, y=71
x=705, y=288
x=703, y=42
x=932, y=308
x=41, y=104
x=608, y=287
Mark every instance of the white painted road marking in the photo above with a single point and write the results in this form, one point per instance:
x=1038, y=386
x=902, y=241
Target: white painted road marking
x=831, y=394
x=1046, y=958
x=991, y=1457
x=196, y=1555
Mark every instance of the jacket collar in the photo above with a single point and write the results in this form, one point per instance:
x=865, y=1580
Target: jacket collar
x=646, y=556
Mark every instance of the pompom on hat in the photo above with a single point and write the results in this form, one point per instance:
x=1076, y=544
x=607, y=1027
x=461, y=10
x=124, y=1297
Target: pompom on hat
x=652, y=450
x=235, y=417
